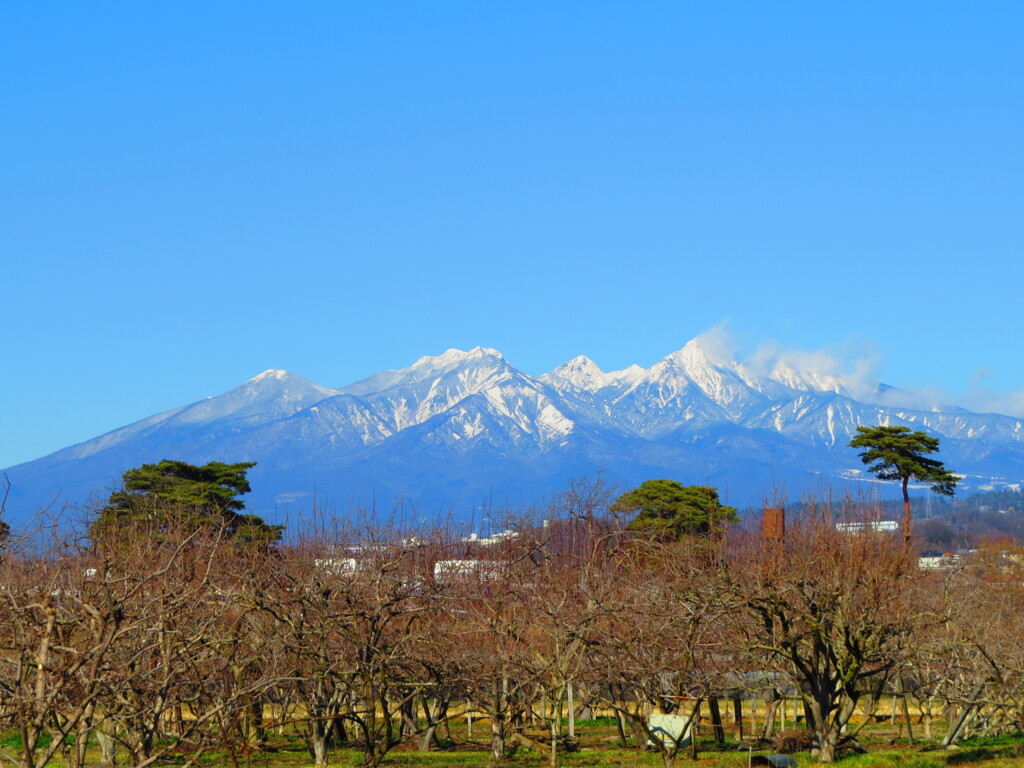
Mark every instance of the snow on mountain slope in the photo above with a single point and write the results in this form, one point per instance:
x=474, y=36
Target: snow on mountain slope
x=687, y=386
x=337, y=427
x=434, y=385
x=425, y=369
x=805, y=380
x=469, y=420
x=264, y=398
x=270, y=395
x=817, y=419
x=725, y=383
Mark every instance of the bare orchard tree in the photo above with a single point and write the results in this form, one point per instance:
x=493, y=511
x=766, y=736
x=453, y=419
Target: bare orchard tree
x=833, y=608
x=56, y=633
x=171, y=677
x=661, y=643
x=108, y=640
x=495, y=609
x=973, y=662
x=573, y=584
x=306, y=599
x=386, y=607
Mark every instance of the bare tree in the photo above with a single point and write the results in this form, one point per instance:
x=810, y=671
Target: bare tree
x=173, y=671
x=57, y=631
x=830, y=607
x=662, y=644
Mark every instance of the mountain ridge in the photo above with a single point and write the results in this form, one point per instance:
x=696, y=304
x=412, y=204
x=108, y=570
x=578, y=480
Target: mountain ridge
x=445, y=429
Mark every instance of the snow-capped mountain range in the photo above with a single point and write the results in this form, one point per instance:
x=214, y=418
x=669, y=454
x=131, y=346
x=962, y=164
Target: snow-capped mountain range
x=461, y=431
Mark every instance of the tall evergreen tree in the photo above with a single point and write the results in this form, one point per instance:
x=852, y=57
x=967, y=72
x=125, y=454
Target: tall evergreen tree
x=897, y=453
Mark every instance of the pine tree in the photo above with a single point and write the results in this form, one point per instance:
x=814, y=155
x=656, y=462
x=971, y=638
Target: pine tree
x=155, y=496
x=897, y=453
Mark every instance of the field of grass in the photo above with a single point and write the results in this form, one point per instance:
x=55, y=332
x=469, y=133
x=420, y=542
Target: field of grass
x=883, y=745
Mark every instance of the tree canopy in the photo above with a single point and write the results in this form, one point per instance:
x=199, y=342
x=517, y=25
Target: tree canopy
x=671, y=510
x=897, y=453
x=155, y=496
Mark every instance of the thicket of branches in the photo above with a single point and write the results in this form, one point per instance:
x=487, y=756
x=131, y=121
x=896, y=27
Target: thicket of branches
x=368, y=635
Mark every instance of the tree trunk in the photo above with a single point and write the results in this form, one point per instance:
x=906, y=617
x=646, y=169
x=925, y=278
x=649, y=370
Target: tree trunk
x=717, y=730
x=498, y=723
x=318, y=736
x=82, y=736
x=956, y=725
x=337, y=731
x=769, y=719
x=620, y=728
x=435, y=715
x=956, y=722
x=408, y=712
x=906, y=511
x=906, y=714
x=737, y=714
x=694, y=725
x=108, y=746
x=827, y=747
x=572, y=710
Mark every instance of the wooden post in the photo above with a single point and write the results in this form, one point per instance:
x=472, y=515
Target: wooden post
x=572, y=710
x=906, y=716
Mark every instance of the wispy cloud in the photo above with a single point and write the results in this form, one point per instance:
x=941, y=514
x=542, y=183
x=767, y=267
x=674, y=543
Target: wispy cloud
x=985, y=399
x=855, y=366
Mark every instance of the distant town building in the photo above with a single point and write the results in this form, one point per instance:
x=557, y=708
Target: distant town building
x=871, y=525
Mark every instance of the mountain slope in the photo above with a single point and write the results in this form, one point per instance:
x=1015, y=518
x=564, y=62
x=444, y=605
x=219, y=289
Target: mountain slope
x=463, y=429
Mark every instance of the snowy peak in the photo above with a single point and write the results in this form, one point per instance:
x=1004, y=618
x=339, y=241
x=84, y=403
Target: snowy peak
x=585, y=374
x=278, y=384
x=581, y=372
x=685, y=367
x=705, y=368
x=694, y=353
x=452, y=357
x=806, y=380
x=271, y=394
x=427, y=369
x=627, y=375
x=691, y=362
x=445, y=383
x=695, y=372
x=272, y=374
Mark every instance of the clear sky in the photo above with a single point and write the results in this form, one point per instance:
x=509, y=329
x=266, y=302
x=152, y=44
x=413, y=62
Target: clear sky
x=193, y=192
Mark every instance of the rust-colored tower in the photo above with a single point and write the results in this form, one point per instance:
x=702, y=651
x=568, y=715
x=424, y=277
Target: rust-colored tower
x=774, y=524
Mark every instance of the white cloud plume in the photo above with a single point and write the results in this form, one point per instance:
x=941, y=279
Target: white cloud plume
x=854, y=367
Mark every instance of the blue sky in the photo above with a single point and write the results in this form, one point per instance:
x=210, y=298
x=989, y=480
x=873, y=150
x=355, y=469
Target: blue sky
x=194, y=192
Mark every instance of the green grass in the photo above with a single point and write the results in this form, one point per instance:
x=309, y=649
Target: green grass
x=890, y=759
x=1007, y=739
x=599, y=749
x=11, y=741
